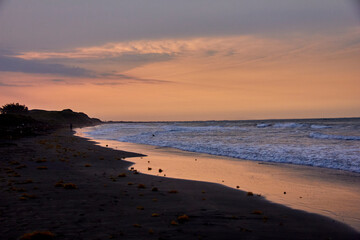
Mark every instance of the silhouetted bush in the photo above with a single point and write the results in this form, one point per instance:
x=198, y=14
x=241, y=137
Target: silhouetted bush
x=13, y=108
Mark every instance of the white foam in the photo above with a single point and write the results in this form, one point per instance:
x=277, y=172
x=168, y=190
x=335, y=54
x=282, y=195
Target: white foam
x=334, y=137
x=314, y=126
x=245, y=141
x=263, y=125
x=288, y=125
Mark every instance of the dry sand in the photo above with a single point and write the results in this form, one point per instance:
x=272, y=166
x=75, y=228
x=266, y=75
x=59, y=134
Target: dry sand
x=106, y=204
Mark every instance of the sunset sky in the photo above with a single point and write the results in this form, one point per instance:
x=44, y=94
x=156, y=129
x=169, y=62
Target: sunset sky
x=182, y=60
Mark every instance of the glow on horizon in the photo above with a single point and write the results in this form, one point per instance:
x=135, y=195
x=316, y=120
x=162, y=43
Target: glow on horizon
x=238, y=77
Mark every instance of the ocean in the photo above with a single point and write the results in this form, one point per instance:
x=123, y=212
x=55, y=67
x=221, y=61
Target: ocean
x=327, y=143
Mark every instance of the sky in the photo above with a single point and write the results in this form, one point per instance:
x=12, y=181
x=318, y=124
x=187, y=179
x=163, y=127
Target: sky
x=154, y=60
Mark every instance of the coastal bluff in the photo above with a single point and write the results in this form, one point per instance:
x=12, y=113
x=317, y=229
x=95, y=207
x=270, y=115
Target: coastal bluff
x=36, y=121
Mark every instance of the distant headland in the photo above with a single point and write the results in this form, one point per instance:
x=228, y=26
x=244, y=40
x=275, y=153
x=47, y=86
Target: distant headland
x=17, y=121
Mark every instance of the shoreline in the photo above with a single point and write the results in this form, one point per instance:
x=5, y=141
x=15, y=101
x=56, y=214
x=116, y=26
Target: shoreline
x=328, y=192
x=105, y=205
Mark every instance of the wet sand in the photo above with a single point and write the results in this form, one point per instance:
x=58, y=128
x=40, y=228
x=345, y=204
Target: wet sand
x=328, y=192
x=78, y=190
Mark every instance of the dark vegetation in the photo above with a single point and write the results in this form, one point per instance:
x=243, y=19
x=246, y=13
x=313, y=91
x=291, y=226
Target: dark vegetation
x=17, y=121
x=13, y=108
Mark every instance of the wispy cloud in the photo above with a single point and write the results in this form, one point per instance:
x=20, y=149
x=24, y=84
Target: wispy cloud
x=2, y=84
x=246, y=46
x=119, y=63
x=14, y=64
x=77, y=74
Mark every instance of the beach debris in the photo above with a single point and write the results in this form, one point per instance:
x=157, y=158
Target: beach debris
x=14, y=163
x=174, y=223
x=27, y=196
x=9, y=170
x=257, y=212
x=148, y=161
x=42, y=168
x=15, y=174
x=149, y=168
x=250, y=194
x=183, y=218
x=154, y=189
x=87, y=165
x=59, y=183
x=137, y=225
x=155, y=215
x=43, y=235
x=41, y=160
x=135, y=172
x=284, y=192
x=140, y=208
x=70, y=186
x=173, y=191
x=237, y=187
x=141, y=186
x=27, y=181
x=160, y=170
x=245, y=229
x=132, y=168
x=21, y=166
x=122, y=175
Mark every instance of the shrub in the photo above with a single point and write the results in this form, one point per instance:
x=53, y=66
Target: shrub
x=13, y=108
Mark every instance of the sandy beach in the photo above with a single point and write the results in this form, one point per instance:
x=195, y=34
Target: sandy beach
x=328, y=192
x=78, y=190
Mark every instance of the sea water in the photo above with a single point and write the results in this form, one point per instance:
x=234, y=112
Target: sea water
x=327, y=143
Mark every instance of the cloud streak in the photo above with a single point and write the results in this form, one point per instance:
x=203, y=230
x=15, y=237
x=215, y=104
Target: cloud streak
x=76, y=74
x=105, y=64
x=150, y=51
x=35, y=24
x=14, y=64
